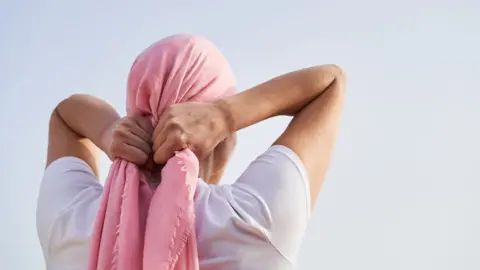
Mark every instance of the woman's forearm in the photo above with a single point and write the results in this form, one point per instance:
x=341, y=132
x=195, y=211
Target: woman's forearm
x=283, y=95
x=89, y=117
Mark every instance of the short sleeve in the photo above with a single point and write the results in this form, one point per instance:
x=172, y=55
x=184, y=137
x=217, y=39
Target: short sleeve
x=66, y=209
x=273, y=195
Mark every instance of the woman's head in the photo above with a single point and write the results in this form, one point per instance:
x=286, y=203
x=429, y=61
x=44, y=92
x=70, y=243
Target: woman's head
x=177, y=69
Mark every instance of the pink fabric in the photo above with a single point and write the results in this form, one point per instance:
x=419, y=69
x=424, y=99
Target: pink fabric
x=137, y=227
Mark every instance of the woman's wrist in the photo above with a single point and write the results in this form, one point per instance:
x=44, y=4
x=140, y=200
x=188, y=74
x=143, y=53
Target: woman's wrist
x=283, y=95
x=105, y=138
x=227, y=121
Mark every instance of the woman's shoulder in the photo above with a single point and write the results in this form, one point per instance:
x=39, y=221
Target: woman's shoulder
x=67, y=205
x=270, y=202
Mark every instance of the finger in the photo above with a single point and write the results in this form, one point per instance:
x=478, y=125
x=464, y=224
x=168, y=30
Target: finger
x=135, y=128
x=132, y=154
x=145, y=123
x=159, y=139
x=160, y=133
x=132, y=139
x=168, y=149
x=160, y=126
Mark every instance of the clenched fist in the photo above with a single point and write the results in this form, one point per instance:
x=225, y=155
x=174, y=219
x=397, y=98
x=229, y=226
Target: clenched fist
x=194, y=125
x=129, y=138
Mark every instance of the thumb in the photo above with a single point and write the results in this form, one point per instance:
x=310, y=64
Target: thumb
x=168, y=148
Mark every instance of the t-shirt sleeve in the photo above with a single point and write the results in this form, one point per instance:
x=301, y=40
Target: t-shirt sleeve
x=67, y=206
x=273, y=195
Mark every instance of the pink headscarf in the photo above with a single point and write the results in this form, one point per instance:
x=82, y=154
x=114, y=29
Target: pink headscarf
x=137, y=228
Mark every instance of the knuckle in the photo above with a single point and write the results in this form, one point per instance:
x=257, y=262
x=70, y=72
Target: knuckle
x=180, y=139
x=177, y=140
x=117, y=133
x=128, y=123
x=174, y=122
x=122, y=133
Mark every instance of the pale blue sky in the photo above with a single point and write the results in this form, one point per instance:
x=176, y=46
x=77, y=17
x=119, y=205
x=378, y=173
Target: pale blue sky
x=404, y=188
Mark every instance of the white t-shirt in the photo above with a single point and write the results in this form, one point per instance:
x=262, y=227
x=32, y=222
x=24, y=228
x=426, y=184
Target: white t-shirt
x=256, y=223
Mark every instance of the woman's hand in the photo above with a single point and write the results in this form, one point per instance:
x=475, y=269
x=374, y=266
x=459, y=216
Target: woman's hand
x=194, y=125
x=129, y=138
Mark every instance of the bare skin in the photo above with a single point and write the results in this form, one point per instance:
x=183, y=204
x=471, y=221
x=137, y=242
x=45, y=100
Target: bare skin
x=314, y=96
x=81, y=125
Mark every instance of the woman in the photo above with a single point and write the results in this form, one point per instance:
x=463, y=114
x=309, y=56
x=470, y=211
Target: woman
x=256, y=223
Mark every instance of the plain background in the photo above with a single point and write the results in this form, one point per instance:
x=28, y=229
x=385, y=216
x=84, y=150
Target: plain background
x=403, y=189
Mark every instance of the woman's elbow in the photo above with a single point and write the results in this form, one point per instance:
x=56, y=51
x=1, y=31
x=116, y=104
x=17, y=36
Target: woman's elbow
x=325, y=75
